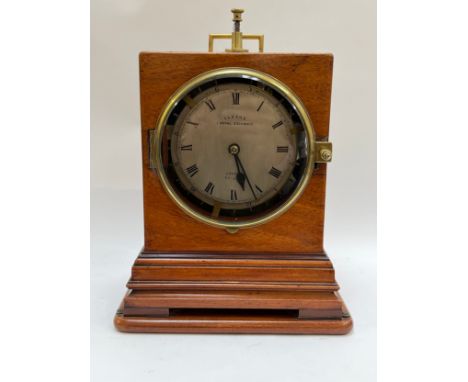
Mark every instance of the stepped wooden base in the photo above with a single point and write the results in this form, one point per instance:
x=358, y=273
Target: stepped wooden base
x=185, y=294
x=233, y=312
x=228, y=322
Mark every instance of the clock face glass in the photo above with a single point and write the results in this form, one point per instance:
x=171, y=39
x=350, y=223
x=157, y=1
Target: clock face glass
x=234, y=149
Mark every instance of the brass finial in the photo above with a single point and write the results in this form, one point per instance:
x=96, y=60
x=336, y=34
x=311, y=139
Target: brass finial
x=236, y=36
x=237, y=14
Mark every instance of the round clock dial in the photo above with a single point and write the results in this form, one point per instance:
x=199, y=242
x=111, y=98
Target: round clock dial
x=234, y=148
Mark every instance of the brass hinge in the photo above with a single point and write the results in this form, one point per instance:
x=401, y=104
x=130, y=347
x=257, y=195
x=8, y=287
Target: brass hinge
x=323, y=152
x=152, y=148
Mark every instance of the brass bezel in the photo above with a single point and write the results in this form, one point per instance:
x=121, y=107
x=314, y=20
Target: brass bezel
x=156, y=155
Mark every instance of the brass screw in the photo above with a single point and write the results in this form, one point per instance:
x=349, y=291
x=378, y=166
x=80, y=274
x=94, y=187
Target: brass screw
x=326, y=155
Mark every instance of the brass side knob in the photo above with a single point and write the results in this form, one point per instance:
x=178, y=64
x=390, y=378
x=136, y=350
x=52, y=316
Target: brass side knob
x=323, y=152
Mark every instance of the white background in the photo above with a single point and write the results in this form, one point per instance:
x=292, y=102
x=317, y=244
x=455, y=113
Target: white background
x=44, y=204
x=120, y=30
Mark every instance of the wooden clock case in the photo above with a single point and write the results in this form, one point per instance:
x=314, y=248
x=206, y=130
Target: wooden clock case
x=194, y=278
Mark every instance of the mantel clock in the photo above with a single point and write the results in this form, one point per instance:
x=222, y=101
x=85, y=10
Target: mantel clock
x=235, y=150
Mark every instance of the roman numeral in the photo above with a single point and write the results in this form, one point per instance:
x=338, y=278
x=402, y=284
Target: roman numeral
x=209, y=188
x=282, y=149
x=235, y=98
x=233, y=195
x=192, y=170
x=258, y=188
x=186, y=148
x=275, y=172
x=210, y=105
x=260, y=106
x=277, y=124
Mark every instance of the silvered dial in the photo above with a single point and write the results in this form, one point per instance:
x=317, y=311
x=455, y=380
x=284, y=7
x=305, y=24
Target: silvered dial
x=234, y=146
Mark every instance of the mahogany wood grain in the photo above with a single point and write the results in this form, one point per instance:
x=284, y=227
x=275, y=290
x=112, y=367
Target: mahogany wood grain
x=244, y=285
x=146, y=311
x=167, y=228
x=233, y=300
x=228, y=322
x=193, y=278
x=240, y=255
x=229, y=272
x=228, y=261
x=265, y=273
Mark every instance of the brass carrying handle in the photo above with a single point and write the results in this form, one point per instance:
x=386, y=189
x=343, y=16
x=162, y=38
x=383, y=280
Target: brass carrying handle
x=236, y=36
x=235, y=46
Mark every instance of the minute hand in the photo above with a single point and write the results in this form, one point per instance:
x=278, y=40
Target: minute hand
x=245, y=174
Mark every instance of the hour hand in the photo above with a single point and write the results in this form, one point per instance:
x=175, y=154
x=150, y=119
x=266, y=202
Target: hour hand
x=240, y=177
